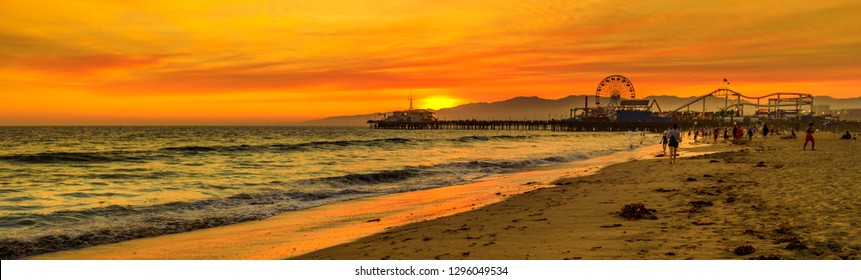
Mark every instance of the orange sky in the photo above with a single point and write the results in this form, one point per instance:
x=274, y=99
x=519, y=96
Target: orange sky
x=274, y=62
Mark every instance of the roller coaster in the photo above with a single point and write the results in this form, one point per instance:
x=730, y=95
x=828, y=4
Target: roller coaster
x=780, y=105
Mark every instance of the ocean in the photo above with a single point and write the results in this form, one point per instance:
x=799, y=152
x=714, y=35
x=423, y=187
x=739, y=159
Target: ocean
x=69, y=187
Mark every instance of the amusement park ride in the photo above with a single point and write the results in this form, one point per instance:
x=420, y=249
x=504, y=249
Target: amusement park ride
x=615, y=100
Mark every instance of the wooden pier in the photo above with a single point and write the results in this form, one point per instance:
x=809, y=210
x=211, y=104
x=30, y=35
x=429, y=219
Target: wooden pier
x=549, y=125
x=575, y=125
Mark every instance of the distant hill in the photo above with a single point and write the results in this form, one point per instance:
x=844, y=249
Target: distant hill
x=355, y=120
x=838, y=103
x=536, y=108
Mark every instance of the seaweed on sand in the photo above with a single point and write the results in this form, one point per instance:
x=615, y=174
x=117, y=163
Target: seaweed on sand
x=638, y=211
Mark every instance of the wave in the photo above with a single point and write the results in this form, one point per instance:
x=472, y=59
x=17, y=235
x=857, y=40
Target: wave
x=473, y=138
x=129, y=176
x=342, y=143
x=89, y=195
x=387, y=176
x=148, y=221
x=147, y=155
x=287, y=147
x=192, y=149
x=75, y=157
x=453, y=172
x=488, y=138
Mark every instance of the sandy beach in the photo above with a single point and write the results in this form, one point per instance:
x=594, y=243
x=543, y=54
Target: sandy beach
x=765, y=200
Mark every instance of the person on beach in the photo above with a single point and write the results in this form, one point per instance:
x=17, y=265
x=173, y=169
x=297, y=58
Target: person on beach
x=664, y=143
x=735, y=134
x=725, y=135
x=750, y=135
x=716, y=132
x=846, y=136
x=674, y=137
x=739, y=133
x=809, y=138
x=764, y=131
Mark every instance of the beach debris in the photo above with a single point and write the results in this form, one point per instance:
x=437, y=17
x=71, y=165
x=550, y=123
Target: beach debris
x=638, y=211
x=427, y=238
x=697, y=206
x=702, y=224
x=663, y=190
x=766, y=257
x=720, y=180
x=707, y=176
x=611, y=226
x=700, y=203
x=744, y=250
x=373, y=220
x=691, y=179
x=760, y=164
x=795, y=245
x=670, y=254
x=704, y=192
x=714, y=161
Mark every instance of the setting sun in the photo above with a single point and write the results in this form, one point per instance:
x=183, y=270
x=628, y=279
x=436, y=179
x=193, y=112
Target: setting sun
x=439, y=102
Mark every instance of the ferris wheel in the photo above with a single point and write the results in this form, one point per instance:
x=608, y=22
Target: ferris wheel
x=612, y=90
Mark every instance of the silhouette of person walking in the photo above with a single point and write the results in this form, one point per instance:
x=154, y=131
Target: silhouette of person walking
x=809, y=138
x=674, y=138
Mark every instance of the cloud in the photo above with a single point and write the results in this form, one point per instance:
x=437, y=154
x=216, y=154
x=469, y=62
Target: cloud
x=81, y=65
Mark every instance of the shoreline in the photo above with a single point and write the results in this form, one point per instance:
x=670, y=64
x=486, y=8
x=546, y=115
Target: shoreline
x=297, y=232
x=762, y=200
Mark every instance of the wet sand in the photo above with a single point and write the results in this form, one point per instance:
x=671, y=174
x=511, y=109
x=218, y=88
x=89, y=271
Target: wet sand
x=299, y=232
x=767, y=199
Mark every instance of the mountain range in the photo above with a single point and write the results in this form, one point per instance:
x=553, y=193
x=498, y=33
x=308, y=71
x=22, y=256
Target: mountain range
x=536, y=108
